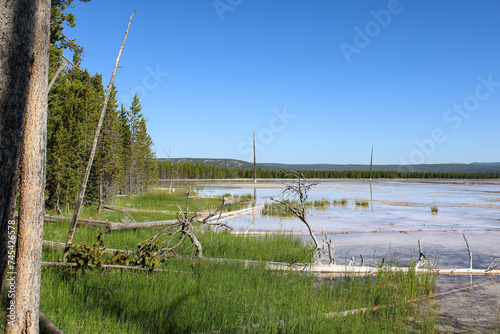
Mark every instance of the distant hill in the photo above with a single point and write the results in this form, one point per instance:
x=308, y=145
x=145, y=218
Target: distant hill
x=233, y=163
x=475, y=167
x=486, y=163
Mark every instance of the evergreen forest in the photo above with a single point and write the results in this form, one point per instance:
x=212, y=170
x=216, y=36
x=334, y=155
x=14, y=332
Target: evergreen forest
x=125, y=160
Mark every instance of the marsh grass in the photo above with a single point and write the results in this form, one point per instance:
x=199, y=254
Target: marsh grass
x=321, y=203
x=240, y=202
x=284, y=248
x=342, y=201
x=434, y=209
x=161, y=199
x=362, y=203
x=280, y=248
x=198, y=295
x=280, y=210
x=210, y=296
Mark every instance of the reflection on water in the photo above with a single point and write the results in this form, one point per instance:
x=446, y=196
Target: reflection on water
x=394, y=205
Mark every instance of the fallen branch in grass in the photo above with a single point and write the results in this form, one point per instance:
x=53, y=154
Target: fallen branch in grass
x=113, y=266
x=185, y=227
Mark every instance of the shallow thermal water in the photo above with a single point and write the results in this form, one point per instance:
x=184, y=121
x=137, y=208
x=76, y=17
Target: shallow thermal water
x=397, y=217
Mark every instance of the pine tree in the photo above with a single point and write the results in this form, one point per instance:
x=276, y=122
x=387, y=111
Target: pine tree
x=124, y=151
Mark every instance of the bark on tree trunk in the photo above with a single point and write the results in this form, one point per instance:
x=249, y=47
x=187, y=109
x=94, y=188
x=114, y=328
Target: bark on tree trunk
x=30, y=45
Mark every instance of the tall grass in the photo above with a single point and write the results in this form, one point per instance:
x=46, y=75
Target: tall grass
x=362, y=203
x=342, y=201
x=198, y=295
x=321, y=203
x=278, y=209
x=227, y=297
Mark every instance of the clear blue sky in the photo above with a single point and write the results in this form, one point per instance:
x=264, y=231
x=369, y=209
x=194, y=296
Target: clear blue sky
x=319, y=82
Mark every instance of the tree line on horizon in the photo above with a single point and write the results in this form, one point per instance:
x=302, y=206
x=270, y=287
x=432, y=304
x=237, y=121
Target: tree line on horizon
x=124, y=160
x=196, y=170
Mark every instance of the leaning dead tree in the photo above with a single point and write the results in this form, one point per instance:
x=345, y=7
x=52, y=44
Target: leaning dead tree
x=294, y=198
x=172, y=165
x=184, y=227
x=79, y=201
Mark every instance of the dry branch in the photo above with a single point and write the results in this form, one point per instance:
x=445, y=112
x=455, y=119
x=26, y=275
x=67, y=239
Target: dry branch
x=59, y=69
x=184, y=225
x=297, y=190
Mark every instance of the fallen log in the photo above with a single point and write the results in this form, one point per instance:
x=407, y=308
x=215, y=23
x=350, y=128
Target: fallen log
x=130, y=209
x=112, y=266
x=47, y=325
x=114, y=226
x=62, y=245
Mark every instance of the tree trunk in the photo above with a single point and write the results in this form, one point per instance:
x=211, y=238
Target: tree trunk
x=26, y=91
x=99, y=209
x=254, y=161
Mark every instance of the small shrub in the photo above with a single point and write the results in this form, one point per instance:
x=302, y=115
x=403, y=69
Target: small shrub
x=434, y=209
x=88, y=257
x=120, y=258
x=147, y=255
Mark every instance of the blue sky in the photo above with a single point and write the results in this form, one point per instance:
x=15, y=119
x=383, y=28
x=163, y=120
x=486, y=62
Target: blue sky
x=318, y=82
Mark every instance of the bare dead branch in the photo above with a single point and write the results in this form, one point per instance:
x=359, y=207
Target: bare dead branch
x=297, y=190
x=491, y=263
x=468, y=250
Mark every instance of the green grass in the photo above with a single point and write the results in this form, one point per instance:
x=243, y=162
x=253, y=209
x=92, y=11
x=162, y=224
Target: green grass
x=208, y=296
x=281, y=248
x=161, y=199
x=240, y=202
x=215, y=244
x=362, y=203
x=342, y=201
x=434, y=209
x=280, y=210
x=321, y=203
x=214, y=296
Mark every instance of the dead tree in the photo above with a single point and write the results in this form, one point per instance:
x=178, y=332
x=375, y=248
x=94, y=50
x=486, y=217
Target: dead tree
x=172, y=165
x=254, y=161
x=294, y=198
x=185, y=228
x=79, y=201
